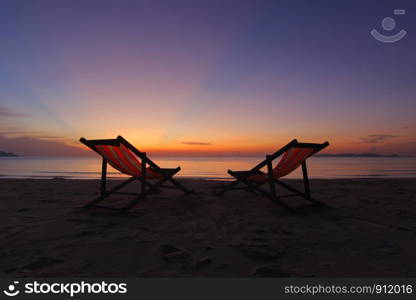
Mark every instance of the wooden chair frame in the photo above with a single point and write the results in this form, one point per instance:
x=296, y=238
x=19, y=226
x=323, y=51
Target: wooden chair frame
x=242, y=177
x=146, y=186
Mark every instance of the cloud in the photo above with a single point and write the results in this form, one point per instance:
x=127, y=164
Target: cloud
x=29, y=134
x=39, y=146
x=49, y=137
x=10, y=114
x=12, y=133
x=377, y=138
x=196, y=143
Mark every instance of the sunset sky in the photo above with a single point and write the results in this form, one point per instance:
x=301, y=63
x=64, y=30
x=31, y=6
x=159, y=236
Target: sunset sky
x=206, y=77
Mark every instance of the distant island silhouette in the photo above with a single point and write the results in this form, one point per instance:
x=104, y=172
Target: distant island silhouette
x=7, y=154
x=359, y=155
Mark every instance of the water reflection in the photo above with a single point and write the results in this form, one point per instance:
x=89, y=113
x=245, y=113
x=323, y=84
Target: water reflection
x=209, y=167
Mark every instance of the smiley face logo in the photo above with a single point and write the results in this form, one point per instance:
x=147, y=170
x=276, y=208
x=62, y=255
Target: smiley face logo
x=389, y=24
x=11, y=290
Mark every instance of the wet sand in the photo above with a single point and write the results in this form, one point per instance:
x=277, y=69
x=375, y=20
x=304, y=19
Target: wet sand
x=370, y=230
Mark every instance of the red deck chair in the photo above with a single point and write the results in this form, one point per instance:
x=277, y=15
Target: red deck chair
x=125, y=158
x=293, y=155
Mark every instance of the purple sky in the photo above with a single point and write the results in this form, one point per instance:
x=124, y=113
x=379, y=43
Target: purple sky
x=206, y=77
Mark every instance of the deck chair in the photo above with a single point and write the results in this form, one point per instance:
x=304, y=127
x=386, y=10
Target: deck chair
x=293, y=155
x=125, y=158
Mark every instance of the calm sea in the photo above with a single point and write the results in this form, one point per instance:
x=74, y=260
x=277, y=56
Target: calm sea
x=209, y=167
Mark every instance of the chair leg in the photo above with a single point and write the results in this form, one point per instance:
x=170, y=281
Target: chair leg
x=143, y=177
x=295, y=191
x=255, y=189
x=271, y=179
x=146, y=189
x=149, y=191
x=108, y=193
x=169, y=177
x=306, y=180
x=103, y=177
x=143, y=195
x=179, y=186
x=264, y=193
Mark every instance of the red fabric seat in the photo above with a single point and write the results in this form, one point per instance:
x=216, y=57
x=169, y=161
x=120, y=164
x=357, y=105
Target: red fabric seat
x=123, y=160
x=289, y=162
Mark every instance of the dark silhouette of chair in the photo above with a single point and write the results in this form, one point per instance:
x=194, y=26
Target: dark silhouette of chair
x=125, y=158
x=293, y=155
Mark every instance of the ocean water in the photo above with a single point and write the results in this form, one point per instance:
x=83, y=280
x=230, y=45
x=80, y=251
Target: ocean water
x=209, y=167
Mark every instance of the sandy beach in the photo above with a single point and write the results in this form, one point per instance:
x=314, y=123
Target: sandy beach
x=370, y=230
